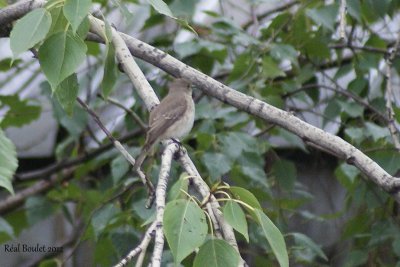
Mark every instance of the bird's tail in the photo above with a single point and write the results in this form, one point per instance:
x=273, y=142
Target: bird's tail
x=142, y=156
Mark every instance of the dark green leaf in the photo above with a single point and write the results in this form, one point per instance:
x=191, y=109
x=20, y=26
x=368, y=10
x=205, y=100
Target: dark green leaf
x=38, y=208
x=306, y=242
x=285, y=173
x=60, y=56
x=110, y=71
x=67, y=92
x=20, y=112
x=217, y=164
x=274, y=237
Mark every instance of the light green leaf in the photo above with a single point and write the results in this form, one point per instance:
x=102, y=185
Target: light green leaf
x=274, y=237
x=75, y=11
x=67, y=92
x=20, y=112
x=284, y=51
x=242, y=142
x=271, y=69
x=216, y=253
x=235, y=216
x=326, y=16
x=29, y=30
x=185, y=227
x=8, y=162
x=161, y=7
x=377, y=132
x=60, y=56
x=246, y=196
x=354, y=110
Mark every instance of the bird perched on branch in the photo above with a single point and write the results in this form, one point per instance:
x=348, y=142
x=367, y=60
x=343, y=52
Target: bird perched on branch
x=172, y=118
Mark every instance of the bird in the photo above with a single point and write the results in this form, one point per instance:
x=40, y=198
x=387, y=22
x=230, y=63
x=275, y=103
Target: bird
x=172, y=118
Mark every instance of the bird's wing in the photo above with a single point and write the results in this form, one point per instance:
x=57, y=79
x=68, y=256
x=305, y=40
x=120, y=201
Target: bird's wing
x=162, y=117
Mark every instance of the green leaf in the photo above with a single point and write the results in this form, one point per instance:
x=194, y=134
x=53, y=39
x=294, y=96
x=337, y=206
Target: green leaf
x=59, y=22
x=235, y=216
x=246, y=196
x=274, y=237
x=8, y=162
x=51, y=263
x=6, y=231
x=19, y=113
x=251, y=165
x=216, y=253
x=271, y=69
x=376, y=132
x=184, y=8
x=60, y=56
x=306, y=242
x=110, y=71
x=354, y=110
x=161, y=7
x=38, y=208
x=180, y=185
x=67, y=92
x=75, y=11
x=387, y=160
x=102, y=218
x=29, y=30
x=217, y=164
x=326, y=16
x=356, y=258
x=243, y=66
x=119, y=167
x=185, y=227
x=354, y=9
x=235, y=143
x=284, y=51
x=285, y=173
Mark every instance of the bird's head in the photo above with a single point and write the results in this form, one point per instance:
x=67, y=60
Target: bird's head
x=179, y=85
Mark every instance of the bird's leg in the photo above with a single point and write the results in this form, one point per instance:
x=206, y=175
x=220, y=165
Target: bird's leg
x=176, y=141
x=181, y=148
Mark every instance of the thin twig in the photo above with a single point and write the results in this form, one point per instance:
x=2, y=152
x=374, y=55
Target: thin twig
x=117, y=144
x=389, y=95
x=342, y=22
x=135, y=117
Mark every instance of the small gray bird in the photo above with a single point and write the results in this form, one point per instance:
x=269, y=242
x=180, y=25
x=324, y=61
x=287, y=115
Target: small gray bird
x=172, y=118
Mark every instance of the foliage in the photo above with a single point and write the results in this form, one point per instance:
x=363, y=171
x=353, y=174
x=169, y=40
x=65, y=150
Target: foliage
x=291, y=58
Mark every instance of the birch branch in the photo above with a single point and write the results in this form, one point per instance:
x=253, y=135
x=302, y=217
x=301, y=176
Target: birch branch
x=142, y=247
